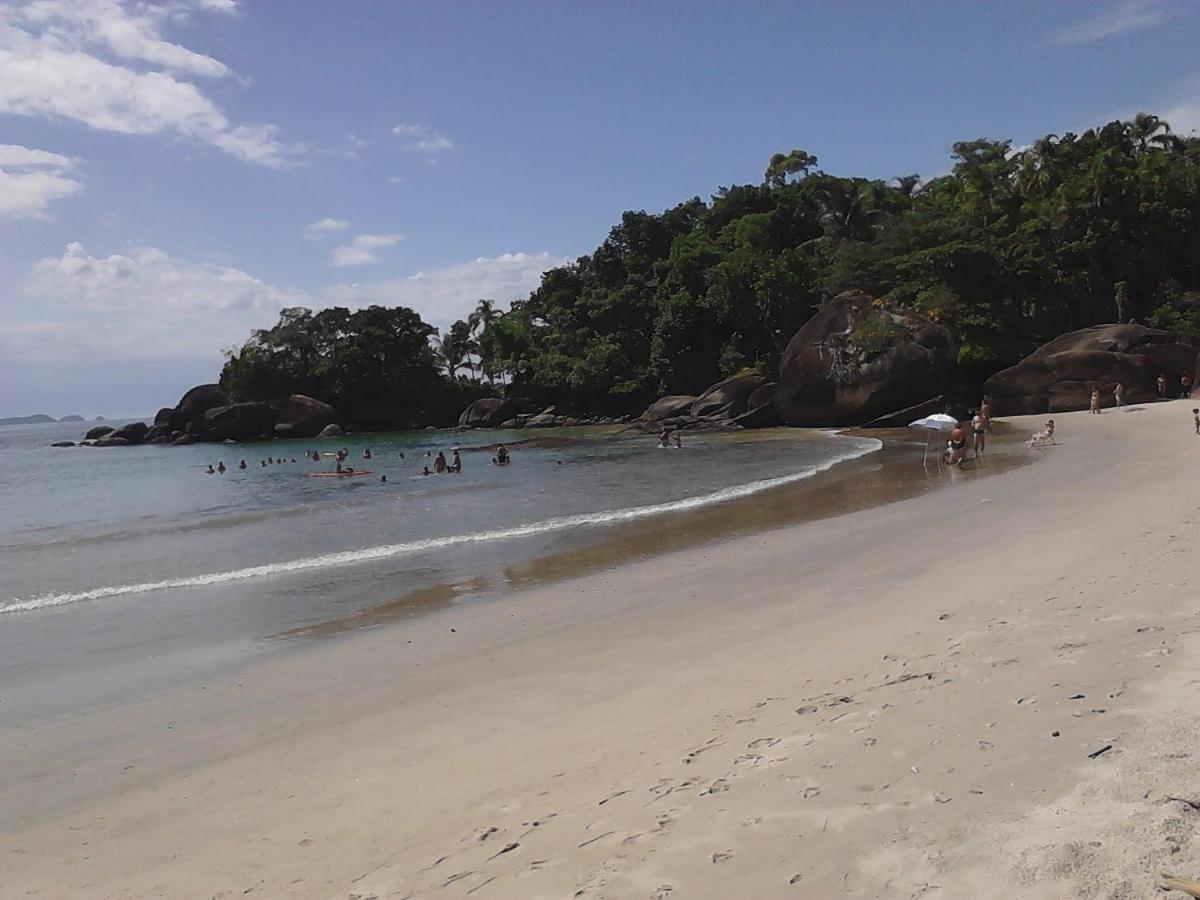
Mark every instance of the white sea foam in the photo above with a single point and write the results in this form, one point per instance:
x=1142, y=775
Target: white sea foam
x=861, y=447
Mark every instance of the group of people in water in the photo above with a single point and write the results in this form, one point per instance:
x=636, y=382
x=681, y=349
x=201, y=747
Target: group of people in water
x=440, y=464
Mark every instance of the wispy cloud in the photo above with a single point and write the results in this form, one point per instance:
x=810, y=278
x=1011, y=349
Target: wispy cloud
x=449, y=293
x=422, y=139
x=109, y=67
x=359, y=252
x=31, y=179
x=324, y=228
x=1123, y=17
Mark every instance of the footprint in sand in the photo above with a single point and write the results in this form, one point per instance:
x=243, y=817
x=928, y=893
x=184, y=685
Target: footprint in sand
x=759, y=743
x=721, y=856
x=751, y=759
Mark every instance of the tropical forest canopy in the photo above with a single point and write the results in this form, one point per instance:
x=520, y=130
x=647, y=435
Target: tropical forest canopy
x=1010, y=249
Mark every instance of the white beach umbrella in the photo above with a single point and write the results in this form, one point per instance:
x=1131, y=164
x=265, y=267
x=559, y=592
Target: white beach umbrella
x=938, y=422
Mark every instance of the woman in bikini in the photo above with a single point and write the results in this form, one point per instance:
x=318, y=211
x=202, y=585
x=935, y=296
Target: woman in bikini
x=979, y=428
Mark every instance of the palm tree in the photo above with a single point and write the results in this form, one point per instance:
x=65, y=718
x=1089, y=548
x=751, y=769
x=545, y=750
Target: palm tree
x=484, y=314
x=847, y=211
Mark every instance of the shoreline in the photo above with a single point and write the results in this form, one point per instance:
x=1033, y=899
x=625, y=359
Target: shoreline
x=737, y=718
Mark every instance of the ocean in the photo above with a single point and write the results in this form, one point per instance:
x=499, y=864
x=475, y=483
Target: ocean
x=131, y=565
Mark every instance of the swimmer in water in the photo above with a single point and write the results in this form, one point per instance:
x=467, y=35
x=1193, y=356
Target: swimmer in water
x=242, y=464
x=211, y=470
x=427, y=472
x=367, y=453
x=221, y=467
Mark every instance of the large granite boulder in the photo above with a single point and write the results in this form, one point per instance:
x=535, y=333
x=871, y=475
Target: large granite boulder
x=331, y=430
x=300, y=416
x=98, y=431
x=164, y=415
x=157, y=433
x=134, y=432
x=547, y=418
x=239, y=422
x=1059, y=376
x=63, y=444
x=669, y=407
x=727, y=399
x=195, y=403
x=490, y=412
x=760, y=408
x=112, y=440
x=860, y=357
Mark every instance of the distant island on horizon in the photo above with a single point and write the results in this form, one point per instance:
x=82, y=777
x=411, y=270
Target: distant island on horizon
x=43, y=419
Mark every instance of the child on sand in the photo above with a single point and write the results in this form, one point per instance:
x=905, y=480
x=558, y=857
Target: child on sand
x=1119, y=394
x=1095, y=407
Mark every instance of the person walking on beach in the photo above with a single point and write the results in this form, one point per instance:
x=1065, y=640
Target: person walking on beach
x=1185, y=386
x=985, y=410
x=678, y=440
x=664, y=438
x=979, y=430
x=1119, y=394
x=1094, y=409
x=1161, y=383
x=1196, y=416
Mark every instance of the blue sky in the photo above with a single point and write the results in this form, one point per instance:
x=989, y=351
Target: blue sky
x=174, y=172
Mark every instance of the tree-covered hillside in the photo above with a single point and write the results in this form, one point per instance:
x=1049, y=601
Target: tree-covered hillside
x=1010, y=249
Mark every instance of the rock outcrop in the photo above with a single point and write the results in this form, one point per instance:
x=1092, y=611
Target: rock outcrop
x=859, y=358
x=490, y=412
x=300, y=416
x=669, y=407
x=727, y=399
x=134, y=433
x=1059, y=376
x=195, y=403
x=98, y=431
x=239, y=422
x=164, y=415
x=72, y=418
x=331, y=430
x=63, y=444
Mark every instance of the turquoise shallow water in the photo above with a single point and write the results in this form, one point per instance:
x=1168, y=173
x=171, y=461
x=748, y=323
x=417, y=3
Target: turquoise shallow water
x=128, y=560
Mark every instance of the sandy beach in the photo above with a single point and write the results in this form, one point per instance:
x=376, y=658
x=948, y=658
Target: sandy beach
x=986, y=691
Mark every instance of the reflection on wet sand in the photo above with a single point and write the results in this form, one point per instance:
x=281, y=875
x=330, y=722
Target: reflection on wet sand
x=894, y=473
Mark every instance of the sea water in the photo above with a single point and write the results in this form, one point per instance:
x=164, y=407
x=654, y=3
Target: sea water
x=132, y=562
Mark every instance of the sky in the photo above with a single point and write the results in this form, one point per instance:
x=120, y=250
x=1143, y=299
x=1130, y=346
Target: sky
x=174, y=172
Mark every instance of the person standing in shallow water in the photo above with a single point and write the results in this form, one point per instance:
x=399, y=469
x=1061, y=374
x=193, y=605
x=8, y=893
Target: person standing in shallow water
x=958, y=445
x=439, y=463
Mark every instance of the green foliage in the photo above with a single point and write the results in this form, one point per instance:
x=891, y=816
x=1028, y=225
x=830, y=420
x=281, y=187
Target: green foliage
x=375, y=361
x=1007, y=251
x=875, y=335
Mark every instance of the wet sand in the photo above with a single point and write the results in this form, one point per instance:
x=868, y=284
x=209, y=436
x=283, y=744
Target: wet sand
x=896, y=472
x=988, y=691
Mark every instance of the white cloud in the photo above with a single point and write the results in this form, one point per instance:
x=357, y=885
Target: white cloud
x=49, y=69
x=31, y=179
x=142, y=305
x=133, y=35
x=1121, y=18
x=358, y=251
x=445, y=294
x=422, y=139
x=324, y=228
x=146, y=305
